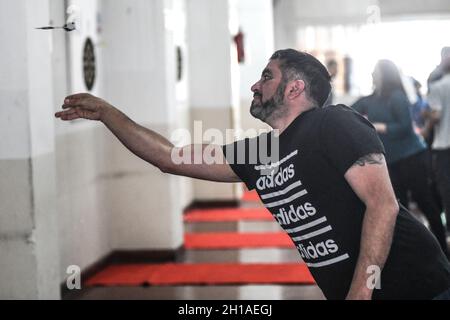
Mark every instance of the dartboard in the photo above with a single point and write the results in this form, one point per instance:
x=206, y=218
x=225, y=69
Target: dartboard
x=89, y=64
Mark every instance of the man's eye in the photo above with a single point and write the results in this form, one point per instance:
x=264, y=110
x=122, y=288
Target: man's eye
x=266, y=77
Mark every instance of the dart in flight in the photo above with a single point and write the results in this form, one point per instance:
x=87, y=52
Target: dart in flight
x=68, y=27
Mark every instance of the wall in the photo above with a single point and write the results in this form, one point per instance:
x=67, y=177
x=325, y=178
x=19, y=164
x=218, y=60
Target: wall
x=70, y=192
x=256, y=21
x=414, y=7
x=83, y=225
x=108, y=198
x=29, y=252
x=140, y=80
x=214, y=78
x=292, y=14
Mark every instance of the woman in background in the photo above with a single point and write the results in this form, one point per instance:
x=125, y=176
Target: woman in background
x=407, y=156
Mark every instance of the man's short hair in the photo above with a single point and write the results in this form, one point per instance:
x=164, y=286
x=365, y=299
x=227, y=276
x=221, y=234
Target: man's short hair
x=296, y=65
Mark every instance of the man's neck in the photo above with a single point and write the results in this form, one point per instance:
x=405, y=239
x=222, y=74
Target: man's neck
x=282, y=123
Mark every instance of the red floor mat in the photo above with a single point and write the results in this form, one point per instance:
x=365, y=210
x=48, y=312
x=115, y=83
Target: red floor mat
x=229, y=214
x=251, y=196
x=202, y=274
x=232, y=240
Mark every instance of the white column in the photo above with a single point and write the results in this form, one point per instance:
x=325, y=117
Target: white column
x=139, y=65
x=214, y=76
x=28, y=228
x=256, y=21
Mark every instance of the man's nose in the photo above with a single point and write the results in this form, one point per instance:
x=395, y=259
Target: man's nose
x=255, y=87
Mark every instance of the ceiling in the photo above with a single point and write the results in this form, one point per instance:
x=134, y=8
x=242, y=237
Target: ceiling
x=314, y=12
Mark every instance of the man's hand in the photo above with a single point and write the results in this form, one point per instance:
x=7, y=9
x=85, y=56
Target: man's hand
x=84, y=106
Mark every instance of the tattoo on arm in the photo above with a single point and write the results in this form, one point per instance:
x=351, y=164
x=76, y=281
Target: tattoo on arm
x=374, y=158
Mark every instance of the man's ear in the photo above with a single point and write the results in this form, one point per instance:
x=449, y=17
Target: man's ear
x=295, y=88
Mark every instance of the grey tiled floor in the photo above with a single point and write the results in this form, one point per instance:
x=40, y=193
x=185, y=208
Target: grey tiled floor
x=221, y=292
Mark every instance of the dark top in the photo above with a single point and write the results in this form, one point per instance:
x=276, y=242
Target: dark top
x=307, y=193
x=400, y=140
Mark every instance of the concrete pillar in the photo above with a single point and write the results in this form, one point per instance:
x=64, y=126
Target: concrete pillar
x=214, y=77
x=256, y=21
x=83, y=222
x=28, y=228
x=144, y=204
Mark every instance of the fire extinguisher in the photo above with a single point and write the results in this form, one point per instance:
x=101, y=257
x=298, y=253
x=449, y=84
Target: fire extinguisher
x=239, y=40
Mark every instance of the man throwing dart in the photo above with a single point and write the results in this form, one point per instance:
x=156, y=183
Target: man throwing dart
x=329, y=190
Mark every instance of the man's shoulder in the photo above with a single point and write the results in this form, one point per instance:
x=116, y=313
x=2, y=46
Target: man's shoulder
x=331, y=109
x=245, y=142
x=442, y=83
x=435, y=75
x=343, y=117
x=364, y=100
x=338, y=110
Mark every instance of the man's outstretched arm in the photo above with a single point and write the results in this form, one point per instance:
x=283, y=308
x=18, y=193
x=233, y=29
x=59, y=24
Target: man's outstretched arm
x=147, y=144
x=369, y=178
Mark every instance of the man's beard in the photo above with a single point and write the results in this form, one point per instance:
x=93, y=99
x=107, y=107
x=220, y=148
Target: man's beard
x=271, y=109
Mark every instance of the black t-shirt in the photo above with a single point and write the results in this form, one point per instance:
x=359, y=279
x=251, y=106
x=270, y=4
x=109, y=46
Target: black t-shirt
x=307, y=193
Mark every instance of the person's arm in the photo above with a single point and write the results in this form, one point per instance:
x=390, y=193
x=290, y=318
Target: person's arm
x=432, y=117
x=369, y=179
x=402, y=123
x=433, y=114
x=149, y=145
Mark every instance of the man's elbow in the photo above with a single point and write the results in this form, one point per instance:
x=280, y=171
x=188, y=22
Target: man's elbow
x=164, y=169
x=389, y=206
x=167, y=167
x=169, y=161
x=394, y=207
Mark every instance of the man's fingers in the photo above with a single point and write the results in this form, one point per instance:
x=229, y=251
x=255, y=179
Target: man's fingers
x=69, y=106
x=72, y=107
x=63, y=114
x=81, y=105
x=74, y=102
x=78, y=106
x=79, y=99
x=77, y=96
x=69, y=117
